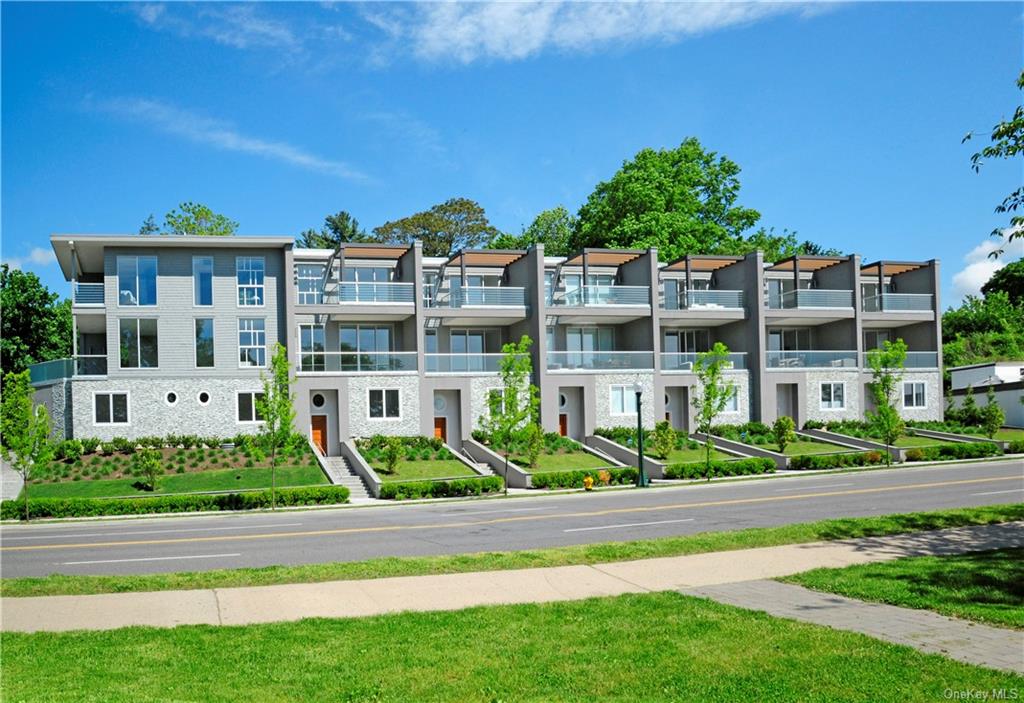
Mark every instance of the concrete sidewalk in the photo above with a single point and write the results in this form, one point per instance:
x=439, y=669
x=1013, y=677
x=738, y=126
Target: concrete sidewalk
x=342, y=599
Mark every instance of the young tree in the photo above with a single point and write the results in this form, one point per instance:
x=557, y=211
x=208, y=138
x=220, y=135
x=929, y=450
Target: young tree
x=664, y=439
x=197, y=219
x=784, y=432
x=511, y=414
x=455, y=224
x=275, y=409
x=393, y=453
x=992, y=415
x=149, y=226
x=533, y=442
x=969, y=412
x=338, y=228
x=714, y=392
x=887, y=372
x=552, y=228
x=146, y=463
x=24, y=429
x=35, y=324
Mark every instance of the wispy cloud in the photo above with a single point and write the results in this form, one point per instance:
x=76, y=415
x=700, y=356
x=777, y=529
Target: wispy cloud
x=219, y=134
x=410, y=129
x=979, y=266
x=238, y=25
x=37, y=257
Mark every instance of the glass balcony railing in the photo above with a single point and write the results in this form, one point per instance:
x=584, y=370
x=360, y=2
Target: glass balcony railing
x=704, y=300
x=685, y=361
x=610, y=360
x=480, y=296
x=811, y=359
x=603, y=295
x=915, y=360
x=58, y=369
x=812, y=299
x=87, y=293
x=898, y=302
x=347, y=361
x=352, y=292
x=463, y=363
x=91, y=365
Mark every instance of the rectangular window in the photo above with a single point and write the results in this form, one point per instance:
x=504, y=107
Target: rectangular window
x=384, y=404
x=110, y=409
x=833, y=396
x=312, y=348
x=687, y=341
x=623, y=400
x=252, y=342
x=204, y=342
x=798, y=339
x=202, y=281
x=247, y=409
x=250, y=272
x=136, y=280
x=138, y=339
x=310, y=279
x=365, y=347
x=914, y=395
x=429, y=284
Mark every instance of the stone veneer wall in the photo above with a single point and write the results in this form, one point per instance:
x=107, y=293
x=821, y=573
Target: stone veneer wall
x=357, y=405
x=742, y=413
x=56, y=399
x=934, y=402
x=479, y=387
x=602, y=399
x=853, y=409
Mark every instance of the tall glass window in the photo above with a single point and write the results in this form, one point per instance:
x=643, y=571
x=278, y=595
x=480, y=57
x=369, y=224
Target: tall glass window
x=370, y=347
x=138, y=343
x=312, y=348
x=252, y=342
x=204, y=343
x=202, y=280
x=136, y=280
x=250, y=271
x=310, y=281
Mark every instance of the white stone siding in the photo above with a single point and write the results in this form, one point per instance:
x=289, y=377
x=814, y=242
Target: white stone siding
x=741, y=379
x=54, y=398
x=357, y=405
x=479, y=388
x=934, y=403
x=852, y=409
x=602, y=399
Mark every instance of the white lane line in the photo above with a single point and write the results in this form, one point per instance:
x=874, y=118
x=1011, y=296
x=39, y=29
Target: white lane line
x=496, y=510
x=154, y=532
x=995, y=493
x=814, y=487
x=121, y=561
x=626, y=524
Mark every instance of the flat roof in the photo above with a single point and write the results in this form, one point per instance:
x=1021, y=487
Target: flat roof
x=983, y=365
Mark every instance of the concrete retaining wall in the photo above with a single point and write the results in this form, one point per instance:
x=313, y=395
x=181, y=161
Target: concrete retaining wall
x=359, y=465
x=517, y=478
x=899, y=454
x=624, y=455
x=746, y=450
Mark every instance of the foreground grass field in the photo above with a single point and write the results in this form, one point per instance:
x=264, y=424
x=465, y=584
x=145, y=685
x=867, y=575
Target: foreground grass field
x=986, y=586
x=653, y=647
x=491, y=561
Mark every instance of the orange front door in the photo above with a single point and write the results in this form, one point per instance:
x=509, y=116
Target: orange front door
x=319, y=427
x=563, y=424
x=441, y=428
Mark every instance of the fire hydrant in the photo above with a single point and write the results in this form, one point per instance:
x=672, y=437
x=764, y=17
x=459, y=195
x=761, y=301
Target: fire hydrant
x=588, y=482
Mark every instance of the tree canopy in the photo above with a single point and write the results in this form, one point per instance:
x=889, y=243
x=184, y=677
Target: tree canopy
x=1009, y=280
x=553, y=228
x=455, y=224
x=198, y=220
x=337, y=229
x=36, y=324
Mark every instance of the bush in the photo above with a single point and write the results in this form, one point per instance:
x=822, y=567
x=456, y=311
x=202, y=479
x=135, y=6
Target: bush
x=574, y=479
x=740, y=467
x=783, y=432
x=1016, y=447
x=664, y=439
x=626, y=436
x=90, y=507
x=70, y=450
x=750, y=432
x=90, y=445
x=411, y=490
x=122, y=445
x=966, y=450
x=814, y=425
x=836, y=461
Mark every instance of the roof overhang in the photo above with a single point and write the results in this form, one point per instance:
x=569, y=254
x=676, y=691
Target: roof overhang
x=807, y=263
x=484, y=258
x=604, y=257
x=702, y=263
x=891, y=268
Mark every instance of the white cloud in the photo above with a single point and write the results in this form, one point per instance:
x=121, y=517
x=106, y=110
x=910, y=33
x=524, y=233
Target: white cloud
x=219, y=134
x=979, y=266
x=37, y=257
x=237, y=25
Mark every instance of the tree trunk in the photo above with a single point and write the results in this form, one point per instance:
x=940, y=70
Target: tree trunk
x=273, y=479
x=24, y=478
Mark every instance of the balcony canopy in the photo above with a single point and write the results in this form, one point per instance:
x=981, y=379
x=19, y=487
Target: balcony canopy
x=891, y=268
x=485, y=258
x=604, y=257
x=807, y=263
x=702, y=263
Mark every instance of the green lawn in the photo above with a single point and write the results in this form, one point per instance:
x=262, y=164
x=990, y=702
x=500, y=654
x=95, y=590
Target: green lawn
x=984, y=586
x=686, y=456
x=1010, y=435
x=651, y=647
x=599, y=553
x=910, y=442
x=808, y=446
x=182, y=483
x=424, y=469
x=567, y=461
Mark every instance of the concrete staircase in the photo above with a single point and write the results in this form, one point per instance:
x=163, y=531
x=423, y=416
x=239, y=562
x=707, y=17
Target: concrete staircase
x=484, y=469
x=341, y=474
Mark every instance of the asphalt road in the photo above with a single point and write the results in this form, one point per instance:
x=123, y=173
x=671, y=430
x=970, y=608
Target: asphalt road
x=299, y=537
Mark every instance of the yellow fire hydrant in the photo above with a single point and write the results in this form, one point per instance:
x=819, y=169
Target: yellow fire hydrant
x=588, y=482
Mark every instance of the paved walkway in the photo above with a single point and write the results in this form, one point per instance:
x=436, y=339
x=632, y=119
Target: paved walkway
x=10, y=482
x=973, y=643
x=339, y=599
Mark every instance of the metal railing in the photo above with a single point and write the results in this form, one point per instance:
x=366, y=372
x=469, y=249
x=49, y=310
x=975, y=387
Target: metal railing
x=603, y=295
x=611, y=360
x=812, y=298
x=898, y=302
x=87, y=293
x=463, y=363
x=704, y=299
x=915, y=360
x=58, y=369
x=811, y=359
x=685, y=361
x=91, y=365
x=354, y=292
x=347, y=361
x=480, y=296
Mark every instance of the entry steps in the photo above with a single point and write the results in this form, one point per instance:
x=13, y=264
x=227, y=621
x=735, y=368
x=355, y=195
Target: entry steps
x=341, y=474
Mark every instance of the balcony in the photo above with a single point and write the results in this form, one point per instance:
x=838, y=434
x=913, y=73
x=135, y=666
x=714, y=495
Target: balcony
x=87, y=293
x=355, y=362
x=811, y=359
x=812, y=299
x=684, y=361
x=480, y=296
x=603, y=296
x=386, y=293
x=915, y=360
x=463, y=363
x=704, y=300
x=77, y=367
x=898, y=302
x=600, y=360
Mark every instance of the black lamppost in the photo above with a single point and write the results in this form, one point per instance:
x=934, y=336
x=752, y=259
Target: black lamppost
x=641, y=477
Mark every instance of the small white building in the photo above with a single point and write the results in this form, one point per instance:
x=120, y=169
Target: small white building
x=1006, y=379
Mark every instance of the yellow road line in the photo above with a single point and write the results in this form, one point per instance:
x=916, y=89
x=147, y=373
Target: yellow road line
x=516, y=518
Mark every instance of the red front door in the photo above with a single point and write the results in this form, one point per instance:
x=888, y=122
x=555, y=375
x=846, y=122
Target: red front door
x=441, y=428
x=319, y=432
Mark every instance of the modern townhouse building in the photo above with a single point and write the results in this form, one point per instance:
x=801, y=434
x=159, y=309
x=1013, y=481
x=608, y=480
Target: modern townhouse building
x=172, y=335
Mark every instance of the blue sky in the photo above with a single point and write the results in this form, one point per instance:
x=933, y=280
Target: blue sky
x=846, y=118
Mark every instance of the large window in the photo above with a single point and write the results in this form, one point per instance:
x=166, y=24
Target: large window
x=204, y=343
x=833, y=396
x=365, y=347
x=246, y=407
x=367, y=274
x=110, y=409
x=384, y=404
x=798, y=339
x=914, y=395
x=310, y=279
x=876, y=339
x=312, y=349
x=687, y=341
x=623, y=400
x=138, y=343
x=252, y=342
x=202, y=280
x=250, y=271
x=136, y=280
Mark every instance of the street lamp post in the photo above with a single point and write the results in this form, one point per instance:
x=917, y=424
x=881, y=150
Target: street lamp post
x=641, y=477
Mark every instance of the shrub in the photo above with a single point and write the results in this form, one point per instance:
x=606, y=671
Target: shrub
x=626, y=436
x=783, y=432
x=69, y=450
x=965, y=450
x=90, y=445
x=750, y=432
x=122, y=445
x=574, y=479
x=814, y=425
x=836, y=461
x=1016, y=447
x=664, y=439
x=411, y=490
x=392, y=454
x=146, y=463
x=740, y=467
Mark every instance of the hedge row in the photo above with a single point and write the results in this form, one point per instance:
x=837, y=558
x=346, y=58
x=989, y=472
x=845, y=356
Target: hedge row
x=574, y=479
x=1016, y=447
x=966, y=450
x=91, y=507
x=836, y=461
x=441, y=489
x=740, y=467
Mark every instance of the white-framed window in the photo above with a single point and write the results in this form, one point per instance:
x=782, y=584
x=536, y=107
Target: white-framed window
x=110, y=408
x=310, y=278
x=204, y=343
x=312, y=348
x=384, y=404
x=622, y=400
x=252, y=342
x=136, y=281
x=138, y=343
x=250, y=272
x=732, y=403
x=914, y=395
x=202, y=281
x=246, y=409
x=833, y=396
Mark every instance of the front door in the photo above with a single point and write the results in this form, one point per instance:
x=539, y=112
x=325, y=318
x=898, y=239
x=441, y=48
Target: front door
x=563, y=424
x=441, y=429
x=319, y=431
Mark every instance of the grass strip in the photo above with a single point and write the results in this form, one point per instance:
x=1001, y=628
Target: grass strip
x=382, y=567
x=984, y=586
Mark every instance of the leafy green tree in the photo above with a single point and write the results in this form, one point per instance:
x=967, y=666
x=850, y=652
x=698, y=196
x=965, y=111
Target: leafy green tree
x=1007, y=142
x=992, y=415
x=776, y=247
x=886, y=372
x=714, y=392
x=198, y=220
x=393, y=453
x=24, y=430
x=784, y=432
x=149, y=226
x=969, y=413
x=453, y=225
x=518, y=405
x=552, y=228
x=664, y=439
x=146, y=463
x=338, y=228
x=533, y=442
x=35, y=325
x=1009, y=280
x=275, y=409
